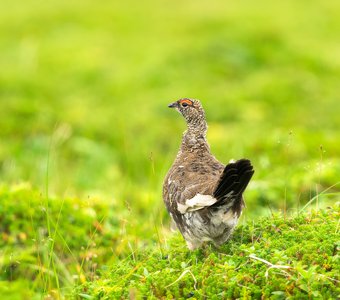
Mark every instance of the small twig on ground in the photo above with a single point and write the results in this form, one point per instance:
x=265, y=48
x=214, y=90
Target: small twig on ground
x=271, y=266
x=329, y=278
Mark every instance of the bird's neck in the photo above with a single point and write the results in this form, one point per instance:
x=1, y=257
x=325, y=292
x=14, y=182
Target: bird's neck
x=194, y=137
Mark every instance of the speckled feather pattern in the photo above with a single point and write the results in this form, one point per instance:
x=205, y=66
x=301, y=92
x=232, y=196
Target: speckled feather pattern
x=202, y=195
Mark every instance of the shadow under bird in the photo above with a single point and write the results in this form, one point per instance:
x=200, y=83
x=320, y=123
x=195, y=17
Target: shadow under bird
x=202, y=195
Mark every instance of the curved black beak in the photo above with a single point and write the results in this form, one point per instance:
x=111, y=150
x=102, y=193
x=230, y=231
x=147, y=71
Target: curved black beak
x=173, y=105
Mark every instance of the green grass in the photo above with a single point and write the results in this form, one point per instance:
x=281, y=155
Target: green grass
x=277, y=258
x=96, y=255
x=84, y=89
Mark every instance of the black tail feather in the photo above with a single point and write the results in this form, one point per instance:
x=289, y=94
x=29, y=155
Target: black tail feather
x=233, y=181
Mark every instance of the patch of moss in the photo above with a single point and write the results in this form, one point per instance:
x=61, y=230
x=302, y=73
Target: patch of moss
x=276, y=258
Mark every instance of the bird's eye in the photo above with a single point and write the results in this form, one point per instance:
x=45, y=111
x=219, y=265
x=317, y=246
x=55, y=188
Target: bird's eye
x=185, y=104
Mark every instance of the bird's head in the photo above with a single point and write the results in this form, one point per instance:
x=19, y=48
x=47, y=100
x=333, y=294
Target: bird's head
x=191, y=110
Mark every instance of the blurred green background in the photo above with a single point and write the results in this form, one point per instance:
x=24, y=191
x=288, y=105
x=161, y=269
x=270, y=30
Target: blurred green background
x=88, y=84
x=84, y=88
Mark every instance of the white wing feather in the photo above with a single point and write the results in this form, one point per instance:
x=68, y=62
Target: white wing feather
x=197, y=202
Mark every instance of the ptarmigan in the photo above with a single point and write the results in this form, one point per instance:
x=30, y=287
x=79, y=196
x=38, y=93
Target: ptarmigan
x=202, y=195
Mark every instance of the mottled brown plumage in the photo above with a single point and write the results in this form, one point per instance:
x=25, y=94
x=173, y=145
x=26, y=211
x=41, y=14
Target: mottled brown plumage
x=202, y=195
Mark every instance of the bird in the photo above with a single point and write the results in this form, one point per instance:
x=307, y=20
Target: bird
x=203, y=196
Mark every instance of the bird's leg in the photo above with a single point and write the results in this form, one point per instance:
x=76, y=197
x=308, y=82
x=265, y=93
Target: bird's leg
x=192, y=245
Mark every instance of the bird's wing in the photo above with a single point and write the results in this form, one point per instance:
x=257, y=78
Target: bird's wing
x=227, y=189
x=196, y=197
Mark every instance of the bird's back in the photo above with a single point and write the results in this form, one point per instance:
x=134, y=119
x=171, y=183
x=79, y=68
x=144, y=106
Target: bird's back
x=189, y=175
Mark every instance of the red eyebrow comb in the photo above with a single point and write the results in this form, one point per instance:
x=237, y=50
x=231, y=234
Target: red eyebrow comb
x=187, y=101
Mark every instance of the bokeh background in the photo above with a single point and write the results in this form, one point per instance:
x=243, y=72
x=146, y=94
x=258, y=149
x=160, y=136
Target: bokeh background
x=88, y=84
x=84, y=88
